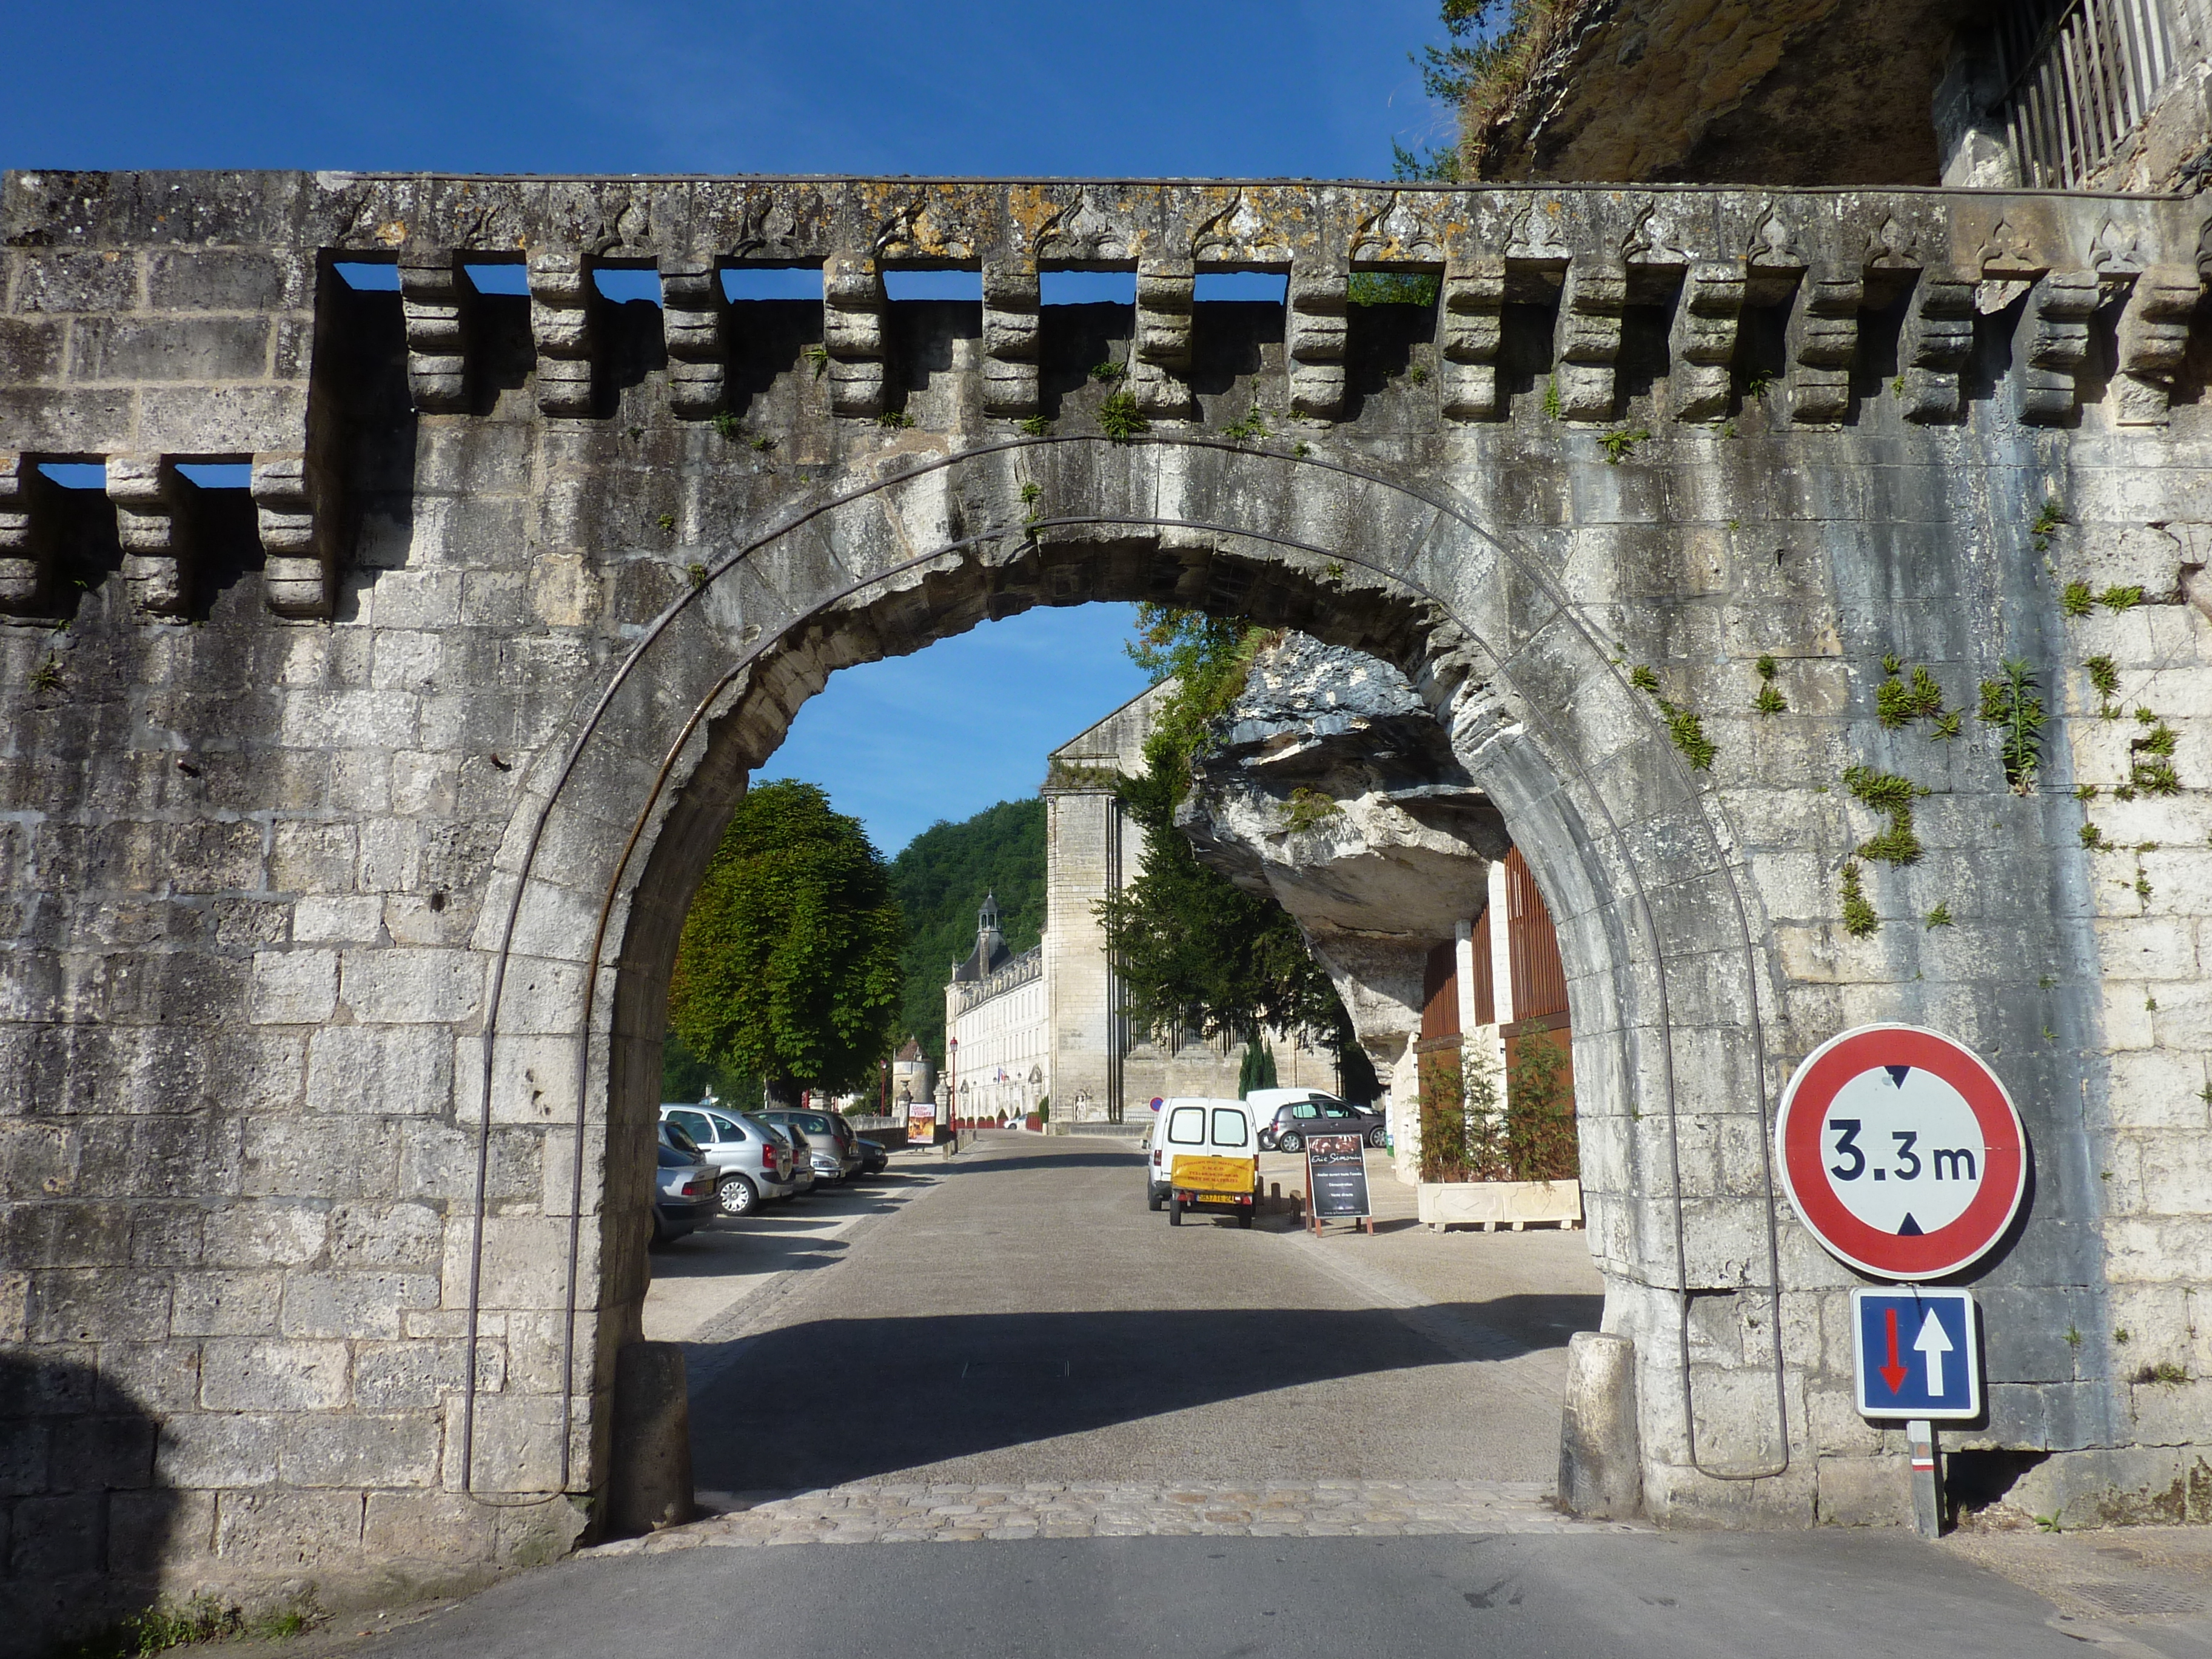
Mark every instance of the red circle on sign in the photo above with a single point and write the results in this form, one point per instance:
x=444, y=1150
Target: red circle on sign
x=1805, y=1169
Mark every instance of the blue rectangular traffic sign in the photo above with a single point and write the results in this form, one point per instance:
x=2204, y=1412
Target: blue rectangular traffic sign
x=1919, y=1353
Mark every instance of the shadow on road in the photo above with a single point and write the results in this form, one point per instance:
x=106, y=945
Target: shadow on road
x=954, y=1385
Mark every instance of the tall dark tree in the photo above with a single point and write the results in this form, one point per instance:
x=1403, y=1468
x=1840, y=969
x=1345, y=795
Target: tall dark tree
x=788, y=969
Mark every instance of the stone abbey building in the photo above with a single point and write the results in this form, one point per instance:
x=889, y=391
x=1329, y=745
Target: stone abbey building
x=385, y=652
x=1048, y=1025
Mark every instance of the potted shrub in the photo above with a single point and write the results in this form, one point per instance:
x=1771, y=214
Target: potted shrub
x=1486, y=1166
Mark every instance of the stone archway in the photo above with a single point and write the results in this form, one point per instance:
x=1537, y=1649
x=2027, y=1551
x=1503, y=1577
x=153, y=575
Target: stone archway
x=1660, y=941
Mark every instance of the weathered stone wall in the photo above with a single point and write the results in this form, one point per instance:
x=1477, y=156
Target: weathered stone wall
x=338, y=945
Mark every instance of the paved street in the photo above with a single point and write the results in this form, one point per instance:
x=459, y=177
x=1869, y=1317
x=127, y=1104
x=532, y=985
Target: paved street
x=1157, y=1440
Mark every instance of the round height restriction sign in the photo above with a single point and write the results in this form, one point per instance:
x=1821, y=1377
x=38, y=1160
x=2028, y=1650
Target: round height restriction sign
x=1901, y=1151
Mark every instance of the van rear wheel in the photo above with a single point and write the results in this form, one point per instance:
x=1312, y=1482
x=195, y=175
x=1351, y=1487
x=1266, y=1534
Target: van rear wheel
x=1152, y=1198
x=1244, y=1220
x=1175, y=1212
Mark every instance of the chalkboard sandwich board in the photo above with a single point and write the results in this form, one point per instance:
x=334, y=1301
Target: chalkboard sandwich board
x=1336, y=1178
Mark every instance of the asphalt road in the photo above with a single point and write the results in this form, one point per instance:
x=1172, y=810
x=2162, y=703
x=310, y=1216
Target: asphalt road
x=1656, y=1595
x=1019, y=1315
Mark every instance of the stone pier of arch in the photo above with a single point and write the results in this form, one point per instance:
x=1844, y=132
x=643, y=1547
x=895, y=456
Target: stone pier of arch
x=348, y=819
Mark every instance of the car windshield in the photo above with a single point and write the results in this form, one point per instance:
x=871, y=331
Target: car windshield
x=674, y=1135
x=672, y=1159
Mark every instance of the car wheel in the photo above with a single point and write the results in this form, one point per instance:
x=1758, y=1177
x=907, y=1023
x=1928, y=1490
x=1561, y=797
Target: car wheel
x=1151, y=1198
x=1377, y=1135
x=660, y=1233
x=738, y=1196
x=1244, y=1220
x=1175, y=1212
x=1292, y=1144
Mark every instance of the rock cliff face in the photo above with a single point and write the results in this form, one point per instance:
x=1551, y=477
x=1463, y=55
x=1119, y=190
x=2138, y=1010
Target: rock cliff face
x=1782, y=92
x=1333, y=787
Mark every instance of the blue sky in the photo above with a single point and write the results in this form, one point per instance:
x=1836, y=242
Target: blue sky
x=1221, y=87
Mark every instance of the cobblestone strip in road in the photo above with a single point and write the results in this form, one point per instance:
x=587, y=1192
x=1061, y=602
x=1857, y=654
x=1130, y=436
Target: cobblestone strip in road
x=896, y=1514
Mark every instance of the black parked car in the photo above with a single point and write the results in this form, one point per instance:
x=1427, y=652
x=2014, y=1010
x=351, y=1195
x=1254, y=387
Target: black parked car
x=1321, y=1114
x=874, y=1160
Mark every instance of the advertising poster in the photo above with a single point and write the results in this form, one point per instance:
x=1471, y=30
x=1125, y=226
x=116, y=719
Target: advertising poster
x=920, y=1123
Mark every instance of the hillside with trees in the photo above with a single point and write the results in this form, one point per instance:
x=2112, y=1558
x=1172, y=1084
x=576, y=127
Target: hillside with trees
x=940, y=881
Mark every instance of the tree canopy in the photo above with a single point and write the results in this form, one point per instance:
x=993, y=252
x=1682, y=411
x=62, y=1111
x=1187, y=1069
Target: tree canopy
x=788, y=967
x=939, y=880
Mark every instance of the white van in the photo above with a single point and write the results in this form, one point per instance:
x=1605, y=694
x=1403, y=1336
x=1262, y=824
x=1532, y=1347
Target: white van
x=1204, y=1156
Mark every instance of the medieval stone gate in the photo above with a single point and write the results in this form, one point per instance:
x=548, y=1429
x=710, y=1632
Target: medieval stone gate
x=350, y=819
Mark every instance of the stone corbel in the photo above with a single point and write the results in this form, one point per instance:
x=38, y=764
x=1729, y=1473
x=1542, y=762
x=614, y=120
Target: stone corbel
x=1590, y=304
x=1703, y=346
x=154, y=523
x=1013, y=299
x=1473, y=299
x=295, y=504
x=2154, y=341
x=561, y=327
x=2058, y=344
x=1937, y=338
x=1159, y=361
x=692, y=307
x=1823, y=338
x=434, y=297
x=1317, y=321
x=27, y=537
x=853, y=306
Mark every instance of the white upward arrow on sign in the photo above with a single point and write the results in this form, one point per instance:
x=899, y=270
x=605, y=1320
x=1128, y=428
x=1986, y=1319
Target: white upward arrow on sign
x=1932, y=1342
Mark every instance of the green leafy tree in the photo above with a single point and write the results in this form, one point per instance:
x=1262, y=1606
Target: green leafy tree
x=939, y=880
x=788, y=969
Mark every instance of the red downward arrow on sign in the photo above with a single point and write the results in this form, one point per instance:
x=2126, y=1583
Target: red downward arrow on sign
x=1892, y=1373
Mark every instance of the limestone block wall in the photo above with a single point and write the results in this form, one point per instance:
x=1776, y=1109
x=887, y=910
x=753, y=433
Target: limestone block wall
x=336, y=945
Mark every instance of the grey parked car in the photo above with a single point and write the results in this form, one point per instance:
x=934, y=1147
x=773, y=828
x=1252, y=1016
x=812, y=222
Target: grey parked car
x=1321, y=1114
x=753, y=1164
x=683, y=1186
x=833, y=1148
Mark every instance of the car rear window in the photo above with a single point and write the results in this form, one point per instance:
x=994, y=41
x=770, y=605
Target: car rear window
x=1230, y=1128
x=816, y=1124
x=1187, y=1126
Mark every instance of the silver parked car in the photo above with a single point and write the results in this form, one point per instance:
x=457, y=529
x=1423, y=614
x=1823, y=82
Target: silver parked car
x=752, y=1165
x=831, y=1144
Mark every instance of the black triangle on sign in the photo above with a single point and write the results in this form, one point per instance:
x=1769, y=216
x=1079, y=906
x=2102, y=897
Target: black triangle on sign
x=1897, y=1074
x=1910, y=1229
